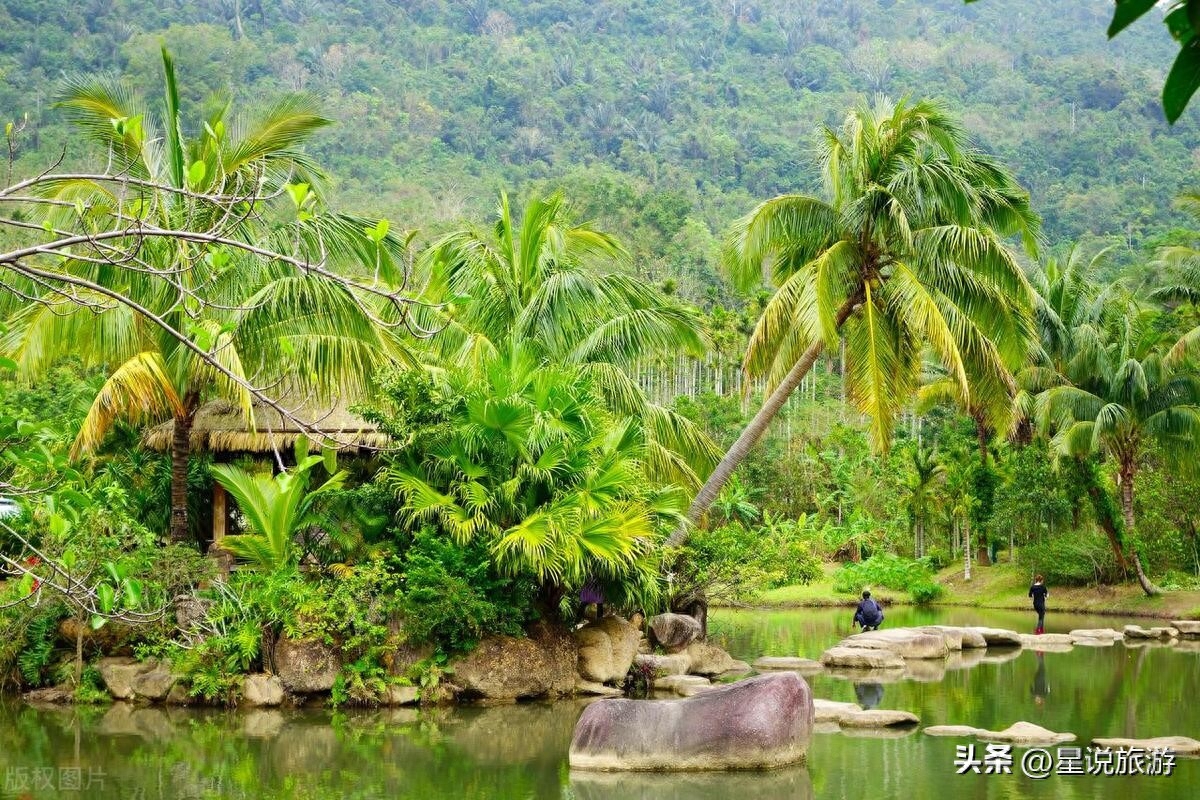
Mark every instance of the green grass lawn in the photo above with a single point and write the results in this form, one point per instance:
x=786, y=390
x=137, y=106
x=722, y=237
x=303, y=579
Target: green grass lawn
x=1002, y=585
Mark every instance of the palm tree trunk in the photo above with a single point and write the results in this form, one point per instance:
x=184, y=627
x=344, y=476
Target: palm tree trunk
x=982, y=435
x=1126, y=475
x=967, y=548
x=753, y=432
x=181, y=451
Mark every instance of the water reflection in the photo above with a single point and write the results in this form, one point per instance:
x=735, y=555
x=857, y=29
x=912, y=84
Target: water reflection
x=868, y=695
x=791, y=783
x=520, y=752
x=1041, y=687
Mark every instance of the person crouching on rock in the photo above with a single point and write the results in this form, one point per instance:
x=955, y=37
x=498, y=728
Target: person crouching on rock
x=869, y=614
x=1039, y=593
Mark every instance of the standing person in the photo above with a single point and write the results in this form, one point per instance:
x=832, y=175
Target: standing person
x=1039, y=593
x=869, y=614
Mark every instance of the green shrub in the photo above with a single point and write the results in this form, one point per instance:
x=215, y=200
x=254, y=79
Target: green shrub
x=1077, y=559
x=937, y=559
x=452, y=596
x=798, y=564
x=892, y=572
x=925, y=593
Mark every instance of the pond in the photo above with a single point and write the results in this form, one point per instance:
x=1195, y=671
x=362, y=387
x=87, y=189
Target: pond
x=521, y=751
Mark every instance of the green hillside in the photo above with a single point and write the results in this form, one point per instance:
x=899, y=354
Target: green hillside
x=665, y=118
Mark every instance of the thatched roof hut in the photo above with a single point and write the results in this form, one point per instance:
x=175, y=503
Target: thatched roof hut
x=220, y=427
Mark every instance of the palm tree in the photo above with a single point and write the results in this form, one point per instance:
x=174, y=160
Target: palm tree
x=1072, y=311
x=263, y=323
x=905, y=251
x=1120, y=400
x=551, y=285
x=928, y=472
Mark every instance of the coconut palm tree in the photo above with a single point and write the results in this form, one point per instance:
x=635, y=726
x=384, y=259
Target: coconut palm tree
x=903, y=252
x=262, y=322
x=1119, y=401
x=554, y=287
x=923, y=483
x=1072, y=310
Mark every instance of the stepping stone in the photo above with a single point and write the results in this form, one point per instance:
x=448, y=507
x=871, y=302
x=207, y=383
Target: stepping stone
x=831, y=710
x=674, y=683
x=792, y=663
x=877, y=718
x=970, y=638
x=1157, y=632
x=953, y=636
x=1181, y=745
x=904, y=642
x=953, y=730
x=1020, y=733
x=1188, y=628
x=862, y=658
x=1025, y=733
x=1084, y=641
x=1035, y=639
x=999, y=637
x=1097, y=633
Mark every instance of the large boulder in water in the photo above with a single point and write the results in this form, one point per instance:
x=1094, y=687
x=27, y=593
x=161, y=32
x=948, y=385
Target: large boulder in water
x=606, y=649
x=674, y=632
x=762, y=722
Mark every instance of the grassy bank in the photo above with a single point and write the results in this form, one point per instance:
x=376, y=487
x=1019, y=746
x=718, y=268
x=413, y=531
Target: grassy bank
x=1001, y=586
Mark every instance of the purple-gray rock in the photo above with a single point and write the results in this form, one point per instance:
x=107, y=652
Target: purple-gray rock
x=674, y=632
x=759, y=723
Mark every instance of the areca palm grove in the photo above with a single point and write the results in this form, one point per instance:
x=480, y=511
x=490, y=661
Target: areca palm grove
x=241, y=189
x=904, y=251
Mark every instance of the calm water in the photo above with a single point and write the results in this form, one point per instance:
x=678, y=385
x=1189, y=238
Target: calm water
x=521, y=751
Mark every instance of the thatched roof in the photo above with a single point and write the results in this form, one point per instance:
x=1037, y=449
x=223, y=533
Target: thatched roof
x=220, y=427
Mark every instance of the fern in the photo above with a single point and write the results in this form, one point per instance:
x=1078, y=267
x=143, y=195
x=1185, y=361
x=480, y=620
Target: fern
x=35, y=656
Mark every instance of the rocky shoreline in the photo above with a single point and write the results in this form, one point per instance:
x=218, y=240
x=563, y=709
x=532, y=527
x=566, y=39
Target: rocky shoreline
x=596, y=659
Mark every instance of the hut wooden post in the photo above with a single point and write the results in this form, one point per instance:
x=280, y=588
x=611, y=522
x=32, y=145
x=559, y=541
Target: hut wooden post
x=218, y=512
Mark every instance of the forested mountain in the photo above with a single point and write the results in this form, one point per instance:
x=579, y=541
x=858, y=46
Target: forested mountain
x=664, y=119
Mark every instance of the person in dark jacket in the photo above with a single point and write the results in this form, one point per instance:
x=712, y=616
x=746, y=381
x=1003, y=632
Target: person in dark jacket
x=1039, y=593
x=869, y=613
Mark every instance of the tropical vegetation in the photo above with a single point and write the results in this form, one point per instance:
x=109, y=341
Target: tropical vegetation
x=907, y=364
